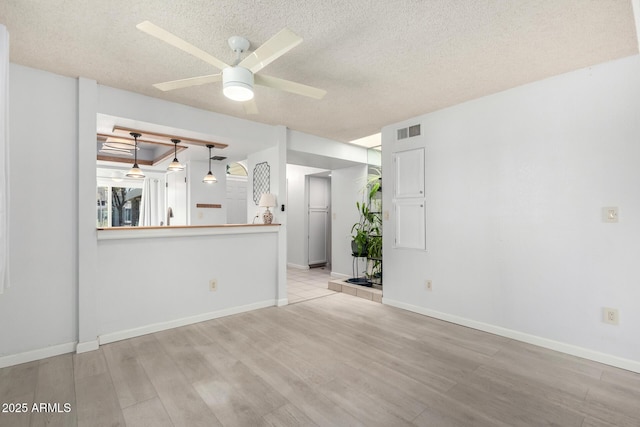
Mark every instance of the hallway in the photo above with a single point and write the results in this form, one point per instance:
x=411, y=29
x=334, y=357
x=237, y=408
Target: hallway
x=303, y=285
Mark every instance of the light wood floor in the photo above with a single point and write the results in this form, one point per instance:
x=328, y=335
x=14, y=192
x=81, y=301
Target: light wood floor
x=331, y=361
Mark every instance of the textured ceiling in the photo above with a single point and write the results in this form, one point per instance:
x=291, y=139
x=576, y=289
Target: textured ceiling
x=380, y=61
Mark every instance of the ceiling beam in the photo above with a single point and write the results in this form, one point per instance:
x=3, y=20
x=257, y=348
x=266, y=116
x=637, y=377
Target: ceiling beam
x=120, y=131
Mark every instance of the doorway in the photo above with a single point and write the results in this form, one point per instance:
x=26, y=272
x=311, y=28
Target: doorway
x=176, y=213
x=319, y=226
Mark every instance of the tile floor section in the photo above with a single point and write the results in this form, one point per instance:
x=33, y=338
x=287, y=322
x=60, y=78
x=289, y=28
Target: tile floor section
x=304, y=285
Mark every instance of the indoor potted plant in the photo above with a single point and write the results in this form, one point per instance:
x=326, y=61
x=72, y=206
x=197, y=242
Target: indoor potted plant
x=360, y=233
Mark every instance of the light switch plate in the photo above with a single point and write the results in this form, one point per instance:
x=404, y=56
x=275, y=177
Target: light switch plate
x=610, y=214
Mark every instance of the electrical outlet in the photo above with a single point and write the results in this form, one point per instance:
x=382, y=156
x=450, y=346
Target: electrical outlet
x=610, y=214
x=428, y=285
x=610, y=315
x=213, y=285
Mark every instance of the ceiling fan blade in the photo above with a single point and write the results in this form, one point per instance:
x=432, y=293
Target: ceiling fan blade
x=192, y=81
x=167, y=37
x=272, y=49
x=250, y=106
x=289, y=86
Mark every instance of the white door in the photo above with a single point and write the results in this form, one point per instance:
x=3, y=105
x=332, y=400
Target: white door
x=176, y=198
x=319, y=197
x=236, y=200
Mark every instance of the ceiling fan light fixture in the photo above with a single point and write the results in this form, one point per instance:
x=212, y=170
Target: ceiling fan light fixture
x=237, y=83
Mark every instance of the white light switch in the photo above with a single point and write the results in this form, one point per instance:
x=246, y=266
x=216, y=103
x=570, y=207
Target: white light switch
x=610, y=214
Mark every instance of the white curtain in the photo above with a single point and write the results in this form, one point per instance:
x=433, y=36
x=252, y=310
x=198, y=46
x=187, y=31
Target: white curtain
x=4, y=157
x=146, y=204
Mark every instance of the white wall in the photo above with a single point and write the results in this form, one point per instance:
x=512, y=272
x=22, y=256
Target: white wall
x=298, y=214
x=270, y=156
x=515, y=184
x=39, y=308
x=276, y=158
x=149, y=284
x=51, y=303
x=346, y=189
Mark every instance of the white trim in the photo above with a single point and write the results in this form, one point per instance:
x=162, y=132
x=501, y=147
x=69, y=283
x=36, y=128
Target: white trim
x=635, y=4
x=297, y=266
x=86, y=346
x=619, y=362
x=183, y=231
x=163, y=326
x=41, y=353
x=340, y=276
x=4, y=159
x=282, y=302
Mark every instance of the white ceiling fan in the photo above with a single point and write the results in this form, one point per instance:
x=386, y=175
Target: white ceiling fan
x=238, y=79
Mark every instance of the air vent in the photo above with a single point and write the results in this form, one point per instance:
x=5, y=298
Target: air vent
x=218, y=158
x=408, y=132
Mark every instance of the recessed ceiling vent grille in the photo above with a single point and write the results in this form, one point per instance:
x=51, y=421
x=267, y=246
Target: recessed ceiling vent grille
x=408, y=132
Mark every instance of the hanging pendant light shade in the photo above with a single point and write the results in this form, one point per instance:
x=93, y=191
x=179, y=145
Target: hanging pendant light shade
x=135, y=171
x=209, y=178
x=175, y=164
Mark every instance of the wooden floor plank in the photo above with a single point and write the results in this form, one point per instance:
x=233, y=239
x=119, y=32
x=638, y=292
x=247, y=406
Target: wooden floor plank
x=180, y=399
x=287, y=416
x=129, y=378
x=97, y=402
x=331, y=361
x=150, y=413
x=56, y=390
x=301, y=394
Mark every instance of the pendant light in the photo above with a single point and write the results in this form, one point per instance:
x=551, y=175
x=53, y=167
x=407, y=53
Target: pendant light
x=175, y=164
x=209, y=178
x=135, y=171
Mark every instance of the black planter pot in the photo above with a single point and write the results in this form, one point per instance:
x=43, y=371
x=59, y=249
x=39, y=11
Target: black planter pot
x=354, y=250
x=362, y=281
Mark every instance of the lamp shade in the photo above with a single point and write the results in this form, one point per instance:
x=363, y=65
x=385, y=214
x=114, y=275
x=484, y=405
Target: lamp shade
x=237, y=83
x=135, y=172
x=267, y=200
x=175, y=165
x=209, y=178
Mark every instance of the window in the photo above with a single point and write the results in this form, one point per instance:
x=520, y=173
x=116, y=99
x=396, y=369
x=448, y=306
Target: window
x=118, y=206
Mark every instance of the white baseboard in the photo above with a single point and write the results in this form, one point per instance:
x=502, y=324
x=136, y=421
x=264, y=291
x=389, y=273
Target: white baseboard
x=41, y=353
x=163, y=326
x=340, y=276
x=607, y=359
x=296, y=266
x=282, y=302
x=83, y=347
